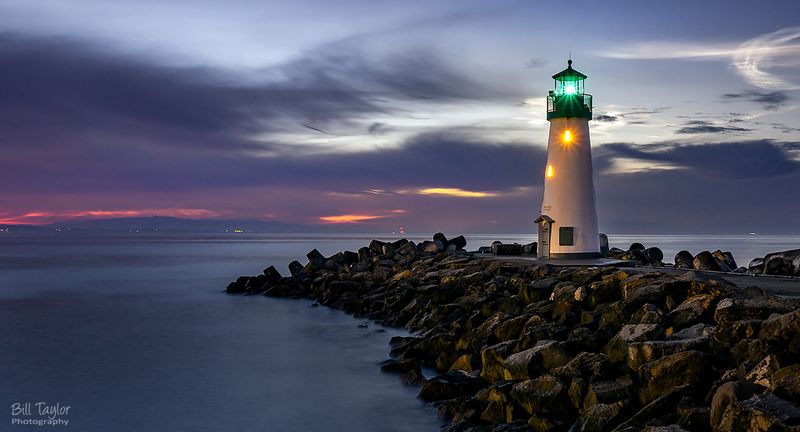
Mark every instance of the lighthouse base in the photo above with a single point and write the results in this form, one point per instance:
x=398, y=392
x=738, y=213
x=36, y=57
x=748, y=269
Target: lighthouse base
x=576, y=255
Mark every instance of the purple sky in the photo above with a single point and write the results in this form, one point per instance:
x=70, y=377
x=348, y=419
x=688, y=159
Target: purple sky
x=427, y=115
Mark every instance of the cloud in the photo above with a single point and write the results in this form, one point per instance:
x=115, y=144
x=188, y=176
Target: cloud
x=704, y=127
x=455, y=192
x=350, y=218
x=742, y=160
x=752, y=59
x=769, y=100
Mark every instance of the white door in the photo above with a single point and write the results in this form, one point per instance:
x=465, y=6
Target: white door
x=544, y=239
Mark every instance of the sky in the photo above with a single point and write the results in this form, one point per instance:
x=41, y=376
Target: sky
x=372, y=115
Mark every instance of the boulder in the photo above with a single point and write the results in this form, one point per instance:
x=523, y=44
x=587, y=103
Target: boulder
x=660, y=376
x=440, y=237
x=729, y=393
x=452, y=384
x=617, y=348
x=596, y=418
x=785, y=263
x=786, y=383
x=459, y=242
x=705, y=261
x=533, y=362
x=507, y=249
x=760, y=413
x=684, y=259
x=608, y=392
x=543, y=395
x=654, y=255
x=694, y=309
x=783, y=329
x=316, y=257
x=295, y=268
x=636, y=246
x=756, y=266
x=725, y=260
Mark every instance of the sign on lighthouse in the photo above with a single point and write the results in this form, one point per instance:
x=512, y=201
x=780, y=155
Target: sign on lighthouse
x=568, y=222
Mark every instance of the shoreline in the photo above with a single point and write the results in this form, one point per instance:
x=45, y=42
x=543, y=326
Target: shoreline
x=522, y=346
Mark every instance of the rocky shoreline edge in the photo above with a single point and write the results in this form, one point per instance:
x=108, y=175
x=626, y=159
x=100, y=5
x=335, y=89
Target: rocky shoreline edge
x=521, y=346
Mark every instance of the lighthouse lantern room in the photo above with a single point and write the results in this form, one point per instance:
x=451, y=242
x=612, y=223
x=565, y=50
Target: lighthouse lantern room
x=567, y=226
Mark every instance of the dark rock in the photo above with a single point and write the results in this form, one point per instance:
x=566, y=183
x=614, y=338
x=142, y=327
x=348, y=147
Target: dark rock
x=786, y=383
x=459, y=242
x=315, y=257
x=660, y=376
x=705, y=261
x=450, y=385
x=756, y=266
x=440, y=237
x=783, y=329
x=647, y=314
x=684, y=259
x=295, y=268
x=694, y=309
x=615, y=253
x=636, y=246
x=785, y=263
x=725, y=260
x=507, y=249
x=654, y=255
x=529, y=248
x=760, y=413
x=596, y=418
x=376, y=246
x=545, y=394
x=236, y=288
x=537, y=360
x=608, y=392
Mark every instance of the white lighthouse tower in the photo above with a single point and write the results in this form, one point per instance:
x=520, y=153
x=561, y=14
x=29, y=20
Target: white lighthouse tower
x=568, y=221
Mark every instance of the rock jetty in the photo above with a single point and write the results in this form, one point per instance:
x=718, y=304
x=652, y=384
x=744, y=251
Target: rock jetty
x=524, y=347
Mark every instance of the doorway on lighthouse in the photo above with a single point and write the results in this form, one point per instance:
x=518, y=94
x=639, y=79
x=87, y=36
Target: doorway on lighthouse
x=545, y=224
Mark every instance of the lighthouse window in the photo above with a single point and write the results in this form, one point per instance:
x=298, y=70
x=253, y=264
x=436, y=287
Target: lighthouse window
x=566, y=236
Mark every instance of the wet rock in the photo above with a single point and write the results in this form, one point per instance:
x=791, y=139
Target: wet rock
x=617, y=348
x=544, y=395
x=459, y=242
x=694, y=309
x=450, y=385
x=608, y=392
x=684, y=259
x=783, y=329
x=728, y=393
x=295, y=268
x=636, y=246
x=537, y=360
x=596, y=418
x=756, y=266
x=786, y=383
x=654, y=255
x=760, y=413
x=725, y=260
x=705, y=261
x=660, y=376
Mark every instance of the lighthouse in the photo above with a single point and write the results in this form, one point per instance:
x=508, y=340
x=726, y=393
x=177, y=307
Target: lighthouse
x=567, y=225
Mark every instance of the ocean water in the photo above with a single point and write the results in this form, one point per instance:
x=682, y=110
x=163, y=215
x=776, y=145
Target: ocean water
x=133, y=333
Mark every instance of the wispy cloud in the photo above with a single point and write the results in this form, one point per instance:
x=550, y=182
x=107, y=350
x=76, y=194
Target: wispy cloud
x=704, y=127
x=350, y=218
x=455, y=192
x=751, y=59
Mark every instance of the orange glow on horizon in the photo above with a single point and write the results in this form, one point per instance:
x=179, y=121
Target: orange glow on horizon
x=349, y=218
x=455, y=192
x=41, y=218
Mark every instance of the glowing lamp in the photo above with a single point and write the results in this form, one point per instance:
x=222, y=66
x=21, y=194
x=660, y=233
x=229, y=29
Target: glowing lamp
x=550, y=171
x=569, y=89
x=567, y=136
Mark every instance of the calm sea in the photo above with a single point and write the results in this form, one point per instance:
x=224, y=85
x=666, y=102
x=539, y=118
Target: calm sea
x=135, y=334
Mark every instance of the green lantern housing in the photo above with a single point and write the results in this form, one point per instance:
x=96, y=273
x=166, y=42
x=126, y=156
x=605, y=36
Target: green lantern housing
x=568, y=98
